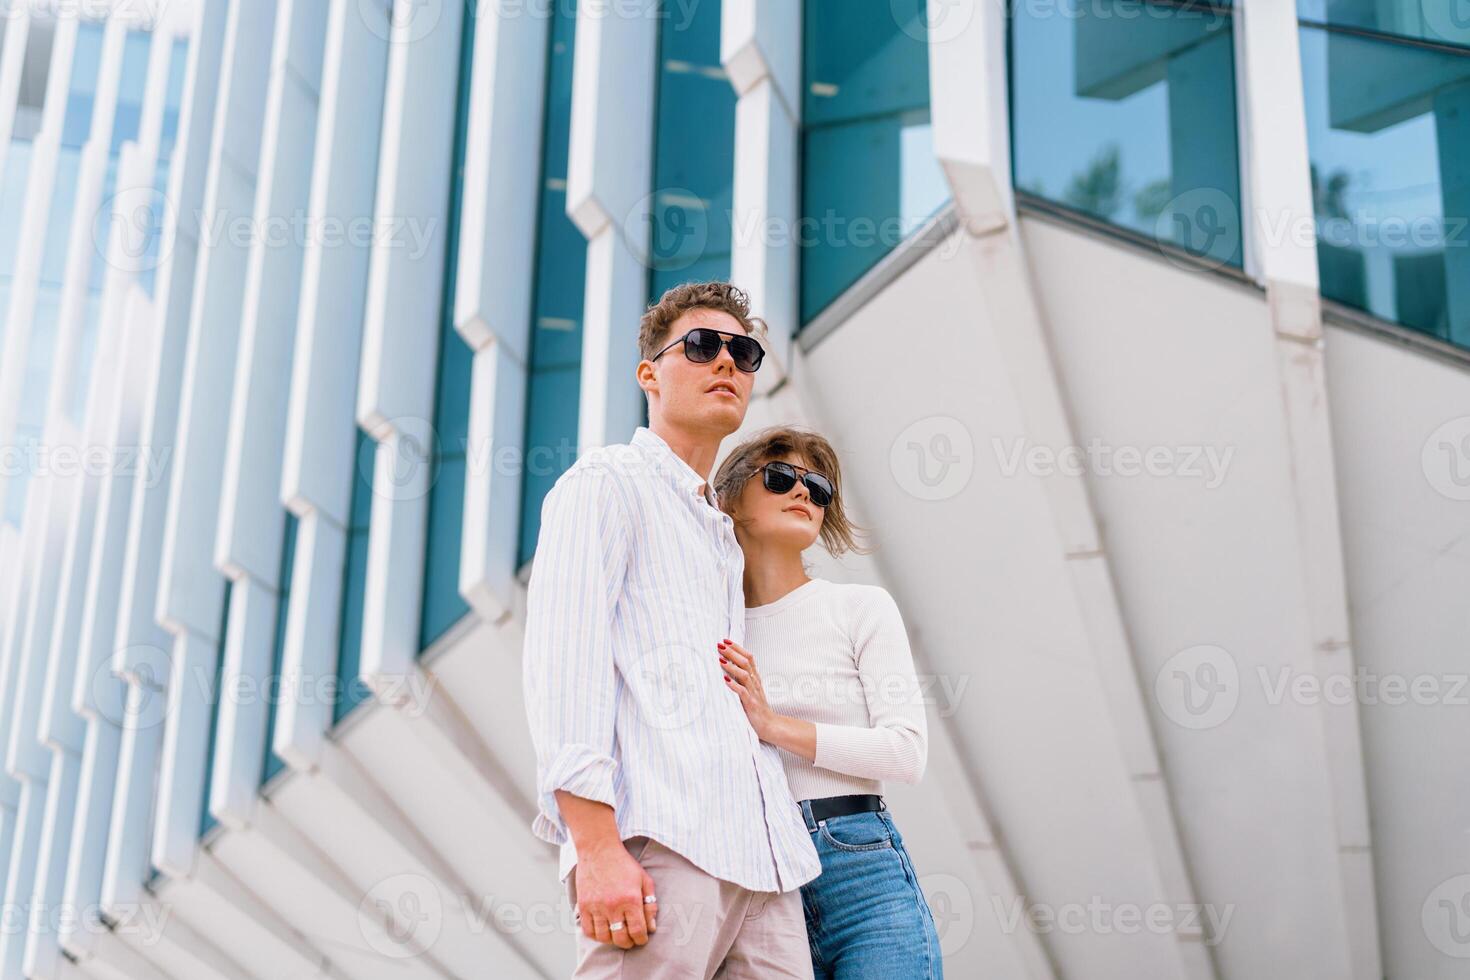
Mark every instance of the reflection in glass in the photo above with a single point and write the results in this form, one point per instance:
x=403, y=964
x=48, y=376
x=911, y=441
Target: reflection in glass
x=554, y=380
x=442, y=604
x=1125, y=111
x=351, y=691
x=272, y=687
x=694, y=156
x=76, y=121
x=1436, y=21
x=869, y=177
x=1388, y=129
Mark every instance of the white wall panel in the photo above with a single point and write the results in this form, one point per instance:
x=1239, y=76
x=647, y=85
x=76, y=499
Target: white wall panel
x=760, y=46
x=609, y=185
x=395, y=401
x=190, y=590
x=320, y=465
x=249, y=545
x=495, y=287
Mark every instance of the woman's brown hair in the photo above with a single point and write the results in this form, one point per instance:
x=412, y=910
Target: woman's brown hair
x=838, y=533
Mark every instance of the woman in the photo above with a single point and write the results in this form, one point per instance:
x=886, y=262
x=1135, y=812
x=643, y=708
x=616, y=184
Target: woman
x=835, y=692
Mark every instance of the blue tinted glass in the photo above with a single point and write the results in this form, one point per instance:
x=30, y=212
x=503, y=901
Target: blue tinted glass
x=561, y=266
x=124, y=127
x=1437, y=21
x=206, y=819
x=83, y=89
x=273, y=762
x=1126, y=112
x=442, y=603
x=167, y=137
x=35, y=73
x=869, y=177
x=130, y=89
x=40, y=355
x=1388, y=130
x=351, y=691
x=694, y=168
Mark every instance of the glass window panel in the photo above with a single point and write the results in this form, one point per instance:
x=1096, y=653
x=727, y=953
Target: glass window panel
x=82, y=92
x=125, y=127
x=206, y=819
x=351, y=691
x=1388, y=130
x=694, y=168
x=442, y=603
x=35, y=70
x=167, y=137
x=1125, y=111
x=561, y=267
x=1437, y=21
x=274, y=763
x=869, y=177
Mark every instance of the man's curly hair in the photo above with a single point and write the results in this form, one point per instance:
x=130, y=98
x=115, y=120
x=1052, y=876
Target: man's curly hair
x=653, y=331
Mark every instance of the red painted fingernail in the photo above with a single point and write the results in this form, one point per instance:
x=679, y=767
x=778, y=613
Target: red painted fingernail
x=723, y=660
x=727, y=678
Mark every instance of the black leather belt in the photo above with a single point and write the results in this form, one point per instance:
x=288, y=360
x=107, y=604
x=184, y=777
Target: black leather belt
x=840, y=806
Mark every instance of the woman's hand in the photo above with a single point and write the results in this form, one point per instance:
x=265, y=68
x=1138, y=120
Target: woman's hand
x=742, y=676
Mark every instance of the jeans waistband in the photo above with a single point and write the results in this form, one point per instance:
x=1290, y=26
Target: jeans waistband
x=810, y=819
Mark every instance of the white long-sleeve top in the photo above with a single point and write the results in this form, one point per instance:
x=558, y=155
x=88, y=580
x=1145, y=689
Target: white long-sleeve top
x=637, y=579
x=838, y=655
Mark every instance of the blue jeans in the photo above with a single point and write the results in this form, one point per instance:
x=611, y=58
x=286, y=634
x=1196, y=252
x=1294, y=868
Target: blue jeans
x=866, y=918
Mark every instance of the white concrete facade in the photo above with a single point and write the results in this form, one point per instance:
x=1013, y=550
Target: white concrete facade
x=1142, y=760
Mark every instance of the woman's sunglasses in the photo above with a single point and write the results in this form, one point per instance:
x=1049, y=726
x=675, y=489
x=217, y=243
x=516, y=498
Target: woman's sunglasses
x=702, y=345
x=781, y=477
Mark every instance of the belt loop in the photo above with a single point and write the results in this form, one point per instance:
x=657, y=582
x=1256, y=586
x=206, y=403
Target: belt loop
x=806, y=815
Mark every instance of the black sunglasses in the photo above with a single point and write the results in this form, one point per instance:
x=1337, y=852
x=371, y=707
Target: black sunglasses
x=781, y=477
x=702, y=345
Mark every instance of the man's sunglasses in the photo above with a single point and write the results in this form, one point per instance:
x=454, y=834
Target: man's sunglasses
x=781, y=477
x=702, y=345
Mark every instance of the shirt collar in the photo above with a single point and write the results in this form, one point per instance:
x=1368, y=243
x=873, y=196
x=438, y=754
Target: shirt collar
x=668, y=463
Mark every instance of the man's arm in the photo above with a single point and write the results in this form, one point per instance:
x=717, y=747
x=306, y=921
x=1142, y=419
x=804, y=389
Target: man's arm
x=570, y=683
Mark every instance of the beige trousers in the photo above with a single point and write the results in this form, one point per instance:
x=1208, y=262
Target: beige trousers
x=708, y=929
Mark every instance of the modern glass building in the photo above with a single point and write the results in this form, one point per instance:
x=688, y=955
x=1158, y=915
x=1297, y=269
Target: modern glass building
x=1142, y=327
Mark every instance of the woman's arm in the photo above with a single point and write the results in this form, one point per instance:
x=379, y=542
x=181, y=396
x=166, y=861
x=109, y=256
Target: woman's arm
x=894, y=746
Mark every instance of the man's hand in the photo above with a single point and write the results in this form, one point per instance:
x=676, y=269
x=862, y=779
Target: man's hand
x=611, y=886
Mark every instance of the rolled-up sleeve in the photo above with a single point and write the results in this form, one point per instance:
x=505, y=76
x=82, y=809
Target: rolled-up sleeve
x=569, y=676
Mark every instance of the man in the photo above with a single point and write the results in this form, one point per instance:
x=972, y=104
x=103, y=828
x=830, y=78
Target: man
x=648, y=772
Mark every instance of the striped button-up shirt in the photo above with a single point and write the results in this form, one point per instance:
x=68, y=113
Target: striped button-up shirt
x=637, y=577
